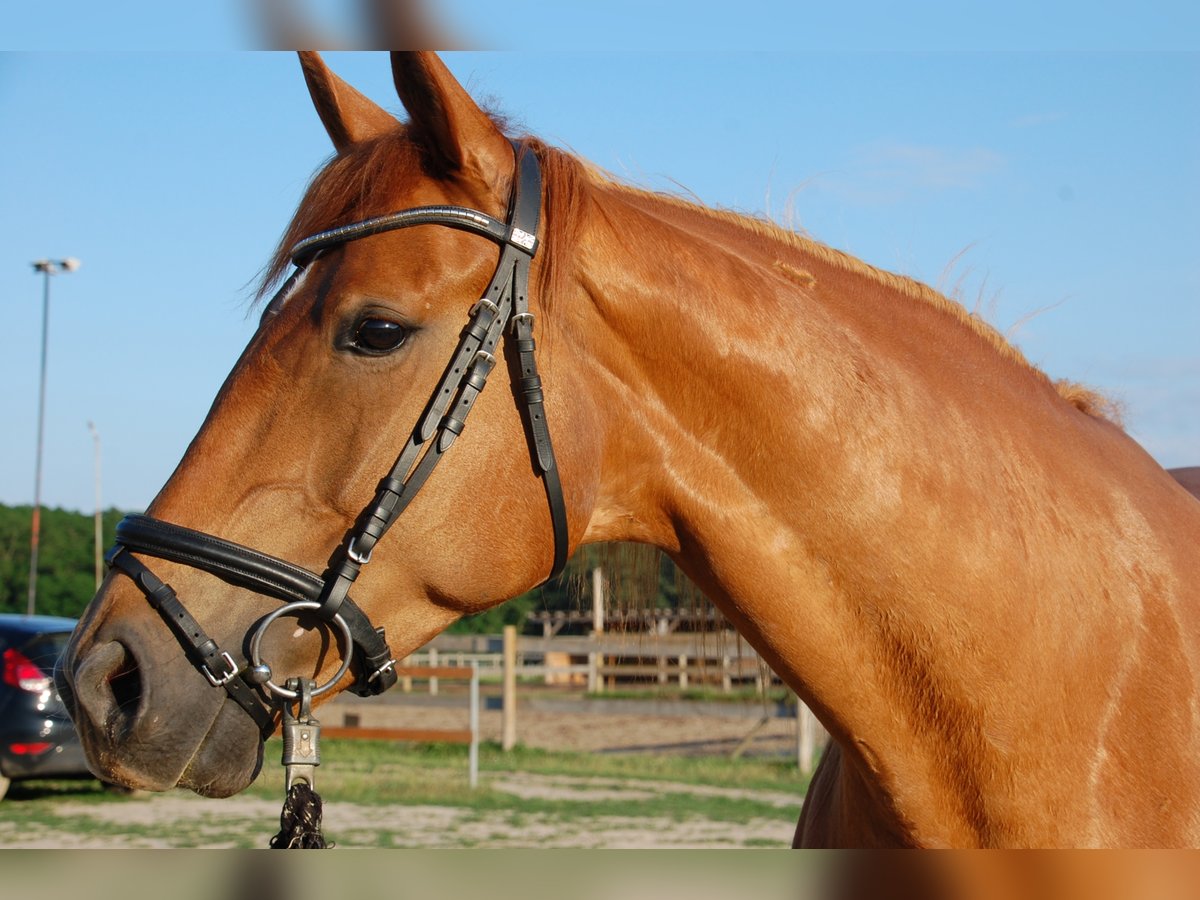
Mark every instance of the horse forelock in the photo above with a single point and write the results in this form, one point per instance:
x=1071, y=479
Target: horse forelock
x=345, y=189
x=355, y=184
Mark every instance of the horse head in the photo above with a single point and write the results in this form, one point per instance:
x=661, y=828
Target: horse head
x=381, y=326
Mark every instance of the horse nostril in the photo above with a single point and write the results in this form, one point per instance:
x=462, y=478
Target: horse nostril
x=108, y=688
x=126, y=687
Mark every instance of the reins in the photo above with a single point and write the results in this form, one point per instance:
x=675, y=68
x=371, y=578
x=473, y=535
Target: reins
x=502, y=311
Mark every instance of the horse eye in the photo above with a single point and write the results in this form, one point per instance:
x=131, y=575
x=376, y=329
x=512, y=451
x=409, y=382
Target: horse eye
x=379, y=335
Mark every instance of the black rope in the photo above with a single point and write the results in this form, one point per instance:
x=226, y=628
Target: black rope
x=300, y=821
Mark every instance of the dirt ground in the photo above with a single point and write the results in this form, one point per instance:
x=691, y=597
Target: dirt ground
x=152, y=822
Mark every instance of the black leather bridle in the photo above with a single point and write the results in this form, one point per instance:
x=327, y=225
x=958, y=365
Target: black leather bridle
x=503, y=310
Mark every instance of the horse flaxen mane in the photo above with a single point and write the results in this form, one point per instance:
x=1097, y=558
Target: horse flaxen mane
x=1082, y=397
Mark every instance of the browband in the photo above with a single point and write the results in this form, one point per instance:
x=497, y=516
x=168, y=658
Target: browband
x=452, y=216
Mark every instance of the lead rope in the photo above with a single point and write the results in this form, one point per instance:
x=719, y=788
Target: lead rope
x=300, y=819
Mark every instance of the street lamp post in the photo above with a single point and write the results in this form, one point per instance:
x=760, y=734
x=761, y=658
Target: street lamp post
x=47, y=267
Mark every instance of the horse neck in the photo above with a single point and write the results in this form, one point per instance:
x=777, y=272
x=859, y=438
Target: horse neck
x=873, y=492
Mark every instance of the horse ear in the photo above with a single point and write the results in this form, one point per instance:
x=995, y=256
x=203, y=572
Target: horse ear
x=348, y=116
x=457, y=135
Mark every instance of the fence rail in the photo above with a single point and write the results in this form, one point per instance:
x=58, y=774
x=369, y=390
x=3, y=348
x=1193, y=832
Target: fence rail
x=606, y=662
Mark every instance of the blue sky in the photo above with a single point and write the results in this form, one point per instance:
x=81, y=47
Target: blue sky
x=644, y=25
x=1056, y=188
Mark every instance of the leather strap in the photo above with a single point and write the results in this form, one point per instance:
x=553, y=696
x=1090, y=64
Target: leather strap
x=256, y=571
x=452, y=216
x=531, y=390
x=213, y=662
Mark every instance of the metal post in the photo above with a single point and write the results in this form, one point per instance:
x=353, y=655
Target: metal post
x=473, y=758
x=508, y=709
x=47, y=267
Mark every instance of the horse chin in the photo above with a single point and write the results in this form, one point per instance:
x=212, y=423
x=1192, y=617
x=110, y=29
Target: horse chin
x=226, y=762
x=228, y=759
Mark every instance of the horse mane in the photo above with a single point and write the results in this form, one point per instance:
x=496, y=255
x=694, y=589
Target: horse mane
x=571, y=186
x=343, y=190
x=796, y=247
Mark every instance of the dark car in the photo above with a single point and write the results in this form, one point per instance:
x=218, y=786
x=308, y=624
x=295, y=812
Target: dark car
x=37, y=739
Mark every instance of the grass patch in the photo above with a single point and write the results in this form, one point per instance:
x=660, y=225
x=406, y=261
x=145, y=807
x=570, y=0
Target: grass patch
x=716, y=771
x=563, y=798
x=386, y=773
x=440, y=769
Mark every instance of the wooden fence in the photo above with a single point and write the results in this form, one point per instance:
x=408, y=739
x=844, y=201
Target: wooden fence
x=604, y=662
x=608, y=662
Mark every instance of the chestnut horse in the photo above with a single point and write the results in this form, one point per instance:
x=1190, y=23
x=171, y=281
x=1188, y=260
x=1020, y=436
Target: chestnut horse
x=987, y=592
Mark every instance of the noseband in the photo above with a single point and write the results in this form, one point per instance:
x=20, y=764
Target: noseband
x=503, y=310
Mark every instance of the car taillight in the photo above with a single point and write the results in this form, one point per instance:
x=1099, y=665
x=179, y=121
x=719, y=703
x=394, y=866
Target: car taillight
x=34, y=749
x=21, y=672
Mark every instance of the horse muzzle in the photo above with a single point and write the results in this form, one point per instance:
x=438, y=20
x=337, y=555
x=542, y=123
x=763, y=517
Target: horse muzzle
x=154, y=733
x=143, y=729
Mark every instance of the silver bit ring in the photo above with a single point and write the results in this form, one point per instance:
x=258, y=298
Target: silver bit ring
x=295, y=608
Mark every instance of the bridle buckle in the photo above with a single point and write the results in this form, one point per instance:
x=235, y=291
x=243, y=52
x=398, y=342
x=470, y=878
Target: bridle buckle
x=230, y=673
x=352, y=551
x=378, y=673
x=484, y=302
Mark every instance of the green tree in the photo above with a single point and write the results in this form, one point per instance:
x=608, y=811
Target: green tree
x=66, y=559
